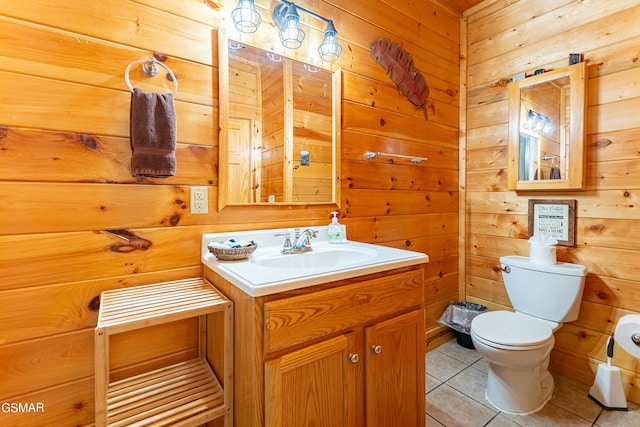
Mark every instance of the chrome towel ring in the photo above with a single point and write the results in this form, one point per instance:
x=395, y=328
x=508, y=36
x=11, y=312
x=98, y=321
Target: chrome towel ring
x=150, y=68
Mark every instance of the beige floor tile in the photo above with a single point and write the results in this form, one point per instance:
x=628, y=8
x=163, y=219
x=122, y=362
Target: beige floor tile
x=482, y=365
x=442, y=366
x=550, y=416
x=501, y=421
x=574, y=398
x=473, y=383
x=630, y=418
x=432, y=422
x=455, y=384
x=453, y=409
x=453, y=349
x=431, y=383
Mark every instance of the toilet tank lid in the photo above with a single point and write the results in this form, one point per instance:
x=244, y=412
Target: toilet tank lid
x=565, y=268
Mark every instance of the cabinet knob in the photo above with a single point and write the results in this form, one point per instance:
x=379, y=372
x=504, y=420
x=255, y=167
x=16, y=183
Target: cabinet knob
x=354, y=358
x=376, y=349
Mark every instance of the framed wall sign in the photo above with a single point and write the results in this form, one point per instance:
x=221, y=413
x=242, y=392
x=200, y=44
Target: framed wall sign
x=555, y=218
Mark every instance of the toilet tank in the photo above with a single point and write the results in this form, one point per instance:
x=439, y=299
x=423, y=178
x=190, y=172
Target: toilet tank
x=552, y=292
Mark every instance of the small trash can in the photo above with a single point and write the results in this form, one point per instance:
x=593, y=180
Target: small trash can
x=458, y=316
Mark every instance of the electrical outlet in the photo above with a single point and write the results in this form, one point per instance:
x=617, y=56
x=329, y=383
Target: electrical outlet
x=199, y=200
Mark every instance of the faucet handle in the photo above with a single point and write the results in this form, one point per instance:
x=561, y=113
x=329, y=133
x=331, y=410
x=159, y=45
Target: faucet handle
x=287, y=240
x=310, y=234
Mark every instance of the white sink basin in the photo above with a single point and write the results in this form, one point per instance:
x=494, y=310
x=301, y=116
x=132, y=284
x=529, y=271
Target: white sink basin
x=334, y=256
x=269, y=271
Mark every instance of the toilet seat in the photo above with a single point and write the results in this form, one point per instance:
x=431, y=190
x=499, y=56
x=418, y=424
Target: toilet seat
x=511, y=331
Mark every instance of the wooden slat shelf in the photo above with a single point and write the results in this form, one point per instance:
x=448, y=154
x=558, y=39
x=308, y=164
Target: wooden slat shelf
x=142, y=306
x=166, y=396
x=185, y=394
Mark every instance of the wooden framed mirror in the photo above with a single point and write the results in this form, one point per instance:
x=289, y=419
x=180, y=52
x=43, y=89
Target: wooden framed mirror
x=279, y=128
x=547, y=130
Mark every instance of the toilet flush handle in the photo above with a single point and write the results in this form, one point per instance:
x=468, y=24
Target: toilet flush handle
x=506, y=269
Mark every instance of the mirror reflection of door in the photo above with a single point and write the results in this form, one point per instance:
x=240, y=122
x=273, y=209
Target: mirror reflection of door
x=244, y=128
x=239, y=158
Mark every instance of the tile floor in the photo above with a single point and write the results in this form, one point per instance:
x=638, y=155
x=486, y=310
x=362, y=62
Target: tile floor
x=456, y=379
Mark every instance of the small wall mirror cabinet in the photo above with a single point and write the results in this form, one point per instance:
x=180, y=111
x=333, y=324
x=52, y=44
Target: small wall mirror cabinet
x=547, y=130
x=279, y=128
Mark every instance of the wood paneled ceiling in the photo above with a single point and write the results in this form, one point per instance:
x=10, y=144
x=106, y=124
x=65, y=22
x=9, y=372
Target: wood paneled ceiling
x=462, y=5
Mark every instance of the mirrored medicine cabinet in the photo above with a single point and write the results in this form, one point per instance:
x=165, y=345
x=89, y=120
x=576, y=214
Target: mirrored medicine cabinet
x=279, y=128
x=547, y=130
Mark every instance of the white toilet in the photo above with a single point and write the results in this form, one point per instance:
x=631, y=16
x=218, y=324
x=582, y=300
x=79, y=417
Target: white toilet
x=517, y=344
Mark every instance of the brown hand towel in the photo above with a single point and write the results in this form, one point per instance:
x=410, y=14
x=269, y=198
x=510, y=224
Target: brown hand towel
x=153, y=134
x=554, y=173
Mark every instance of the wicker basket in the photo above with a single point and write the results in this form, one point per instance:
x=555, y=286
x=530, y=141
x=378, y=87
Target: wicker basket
x=233, y=254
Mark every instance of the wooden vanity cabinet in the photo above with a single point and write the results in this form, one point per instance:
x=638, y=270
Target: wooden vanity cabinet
x=394, y=371
x=316, y=385
x=346, y=353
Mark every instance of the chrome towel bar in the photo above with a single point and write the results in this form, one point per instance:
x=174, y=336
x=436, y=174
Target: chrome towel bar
x=373, y=154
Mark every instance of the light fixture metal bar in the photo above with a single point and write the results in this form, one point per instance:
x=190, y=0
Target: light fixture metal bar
x=315, y=15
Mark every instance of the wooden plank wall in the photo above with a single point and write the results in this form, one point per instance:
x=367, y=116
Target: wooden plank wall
x=312, y=131
x=69, y=201
x=506, y=38
x=272, y=155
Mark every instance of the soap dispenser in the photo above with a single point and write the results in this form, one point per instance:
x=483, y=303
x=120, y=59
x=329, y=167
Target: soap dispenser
x=335, y=229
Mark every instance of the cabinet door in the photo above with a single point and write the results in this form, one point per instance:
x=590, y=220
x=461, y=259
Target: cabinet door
x=394, y=372
x=314, y=386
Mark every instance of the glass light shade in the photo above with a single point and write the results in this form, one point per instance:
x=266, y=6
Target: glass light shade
x=530, y=123
x=538, y=123
x=547, y=128
x=330, y=50
x=291, y=35
x=246, y=17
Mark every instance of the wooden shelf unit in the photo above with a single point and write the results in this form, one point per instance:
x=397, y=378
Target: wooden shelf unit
x=184, y=394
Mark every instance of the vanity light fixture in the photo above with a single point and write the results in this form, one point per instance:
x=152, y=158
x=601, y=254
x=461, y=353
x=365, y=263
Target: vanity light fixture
x=330, y=49
x=530, y=123
x=538, y=122
x=286, y=18
x=246, y=17
x=285, y=15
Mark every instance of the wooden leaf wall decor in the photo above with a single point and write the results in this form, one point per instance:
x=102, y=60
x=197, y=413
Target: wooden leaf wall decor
x=400, y=67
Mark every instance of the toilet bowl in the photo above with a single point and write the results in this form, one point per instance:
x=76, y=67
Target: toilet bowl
x=517, y=344
x=517, y=348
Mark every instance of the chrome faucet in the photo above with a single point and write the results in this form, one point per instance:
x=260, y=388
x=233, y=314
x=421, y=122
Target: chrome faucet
x=303, y=241
x=286, y=247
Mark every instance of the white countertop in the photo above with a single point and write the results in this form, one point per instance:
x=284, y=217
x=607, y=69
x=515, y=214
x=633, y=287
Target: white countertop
x=258, y=280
